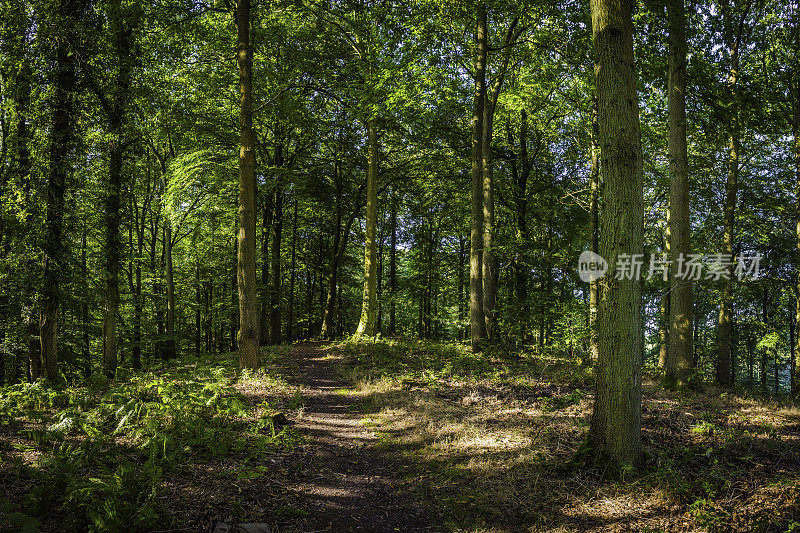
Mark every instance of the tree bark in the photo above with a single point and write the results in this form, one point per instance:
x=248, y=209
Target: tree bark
x=266, y=229
x=393, y=271
x=136, y=352
x=476, y=311
x=663, y=331
x=489, y=267
x=116, y=108
x=275, y=289
x=87, y=363
x=246, y=254
x=461, y=268
x=61, y=139
x=198, y=298
x=328, y=300
x=489, y=263
x=170, y=350
x=724, y=366
x=366, y=325
x=292, y=276
x=679, y=353
x=794, y=91
x=594, y=229
x=615, y=431
x=379, y=289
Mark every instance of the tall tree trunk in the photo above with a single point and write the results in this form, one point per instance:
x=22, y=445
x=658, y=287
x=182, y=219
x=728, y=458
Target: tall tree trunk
x=615, y=431
x=520, y=171
x=489, y=267
x=116, y=108
x=724, y=329
x=792, y=362
x=751, y=349
x=198, y=310
x=679, y=354
x=461, y=268
x=87, y=362
x=292, y=276
x=169, y=344
x=61, y=138
x=764, y=350
x=794, y=91
x=210, y=316
x=266, y=229
x=329, y=298
x=275, y=289
x=393, y=271
x=16, y=48
x=379, y=304
x=246, y=255
x=663, y=330
x=366, y=325
x=232, y=292
x=476, y=312
x=157, y=269
x=594, y=229
x=136, y=353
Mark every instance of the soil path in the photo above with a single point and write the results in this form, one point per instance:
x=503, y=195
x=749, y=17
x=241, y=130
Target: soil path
x=344, y=482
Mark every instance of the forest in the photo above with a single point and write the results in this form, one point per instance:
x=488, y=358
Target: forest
x=399, y=265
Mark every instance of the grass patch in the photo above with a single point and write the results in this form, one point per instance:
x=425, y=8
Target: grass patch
x=490, y=437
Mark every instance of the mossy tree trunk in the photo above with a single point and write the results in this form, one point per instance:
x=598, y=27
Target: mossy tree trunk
x=366, y=325
x=61, y=139
x=615, y=432
x=476, y=313
x=246, y=253
x=679, y=353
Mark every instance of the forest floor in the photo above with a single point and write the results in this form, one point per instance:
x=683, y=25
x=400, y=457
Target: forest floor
x=385, y=436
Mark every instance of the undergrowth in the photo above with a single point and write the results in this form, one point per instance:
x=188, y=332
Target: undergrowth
x=94, y=454
x=494, y=435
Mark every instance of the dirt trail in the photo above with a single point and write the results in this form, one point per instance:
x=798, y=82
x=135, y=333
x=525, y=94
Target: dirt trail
x=344, y=482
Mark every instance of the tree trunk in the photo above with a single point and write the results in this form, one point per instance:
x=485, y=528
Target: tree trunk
x=461, y=268
x=792, y=363
x=764, y=350
x=266, y=229
x=169, y=344
x=393, y=271
x=232, y=292
x=379, y=290
x=594, y=229
x=292, y=276
x=723, y=370
x=679, y=354
x=794, y=90
x=136, y=354
x=476, y=311
x=275, y=289
x=663, y=330
x=489, y=263
x=87, y=363
x=366, y=325
x=61, y=138
x=246, y=254
x=198, y=311
x=113, y=216
x=615, y=432
x=489, y=267
x=329, y=301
